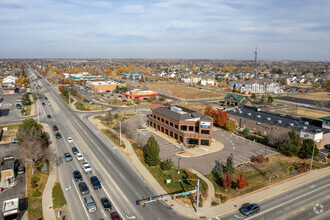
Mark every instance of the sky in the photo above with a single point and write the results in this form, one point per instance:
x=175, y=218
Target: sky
x=165, y=29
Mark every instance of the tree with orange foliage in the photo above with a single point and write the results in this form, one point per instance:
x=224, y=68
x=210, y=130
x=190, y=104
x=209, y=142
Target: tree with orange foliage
x=227, y=180
x=241, y=182
x=220, y=117
x=61, y=88
x=209, y=111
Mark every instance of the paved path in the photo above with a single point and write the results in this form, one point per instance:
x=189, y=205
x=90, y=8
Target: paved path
x=47, y=198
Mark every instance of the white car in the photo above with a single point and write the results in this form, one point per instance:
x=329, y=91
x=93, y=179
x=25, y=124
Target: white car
x=86, y=167
x=48, y=103
x=79, y=156
x=70, y=140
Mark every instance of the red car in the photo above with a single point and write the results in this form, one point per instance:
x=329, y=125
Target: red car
x=115, y=216
x=55, y=128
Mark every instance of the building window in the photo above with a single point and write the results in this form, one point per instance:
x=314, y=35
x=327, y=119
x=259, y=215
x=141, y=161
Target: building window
x=171, y=124
x=191, y=128
x=163, y=120
x=163, y=129
x=192, y=141
x=181, y=138
x=158, y=127
x=176, y=136
x=154, y=125
x=197, y=129
x=176, y=127
x=154, y=116
x=158, y=118
x=171, y=133
x=166, y=122
x=205, y=142
x=166, y=131
x=205, y=131
x=151, y=123
x=306, y=135
x=183, y=128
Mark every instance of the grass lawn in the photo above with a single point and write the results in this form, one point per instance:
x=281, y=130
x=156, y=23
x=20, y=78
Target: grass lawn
x=113, y=138
x=58, y=197
x=257, y=175
x=115, y=122
x=161, y=176
x=85, y=106
x=35, y=203
x=65, y=98
x=12, y=126
x=28, y=110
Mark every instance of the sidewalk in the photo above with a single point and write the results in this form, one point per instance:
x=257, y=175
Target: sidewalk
x=208, y=211
x=47, y=197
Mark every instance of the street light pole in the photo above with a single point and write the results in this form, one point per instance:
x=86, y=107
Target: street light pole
x=312, y=157
x=197, y=196
x=119, y=132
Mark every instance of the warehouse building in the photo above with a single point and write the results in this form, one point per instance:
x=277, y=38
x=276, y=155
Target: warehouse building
x=104, y=86
x=184, y=125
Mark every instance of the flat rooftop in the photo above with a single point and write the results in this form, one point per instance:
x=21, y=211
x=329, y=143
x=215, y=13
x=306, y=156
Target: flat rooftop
x=104, y=82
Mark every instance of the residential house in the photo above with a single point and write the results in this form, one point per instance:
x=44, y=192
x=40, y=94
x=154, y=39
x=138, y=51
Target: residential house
x=9, y=81
x=256, y=86
x=233, y=99
x=207, y=81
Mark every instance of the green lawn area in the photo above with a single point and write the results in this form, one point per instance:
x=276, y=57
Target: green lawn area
x=161, y=176
x=113, y=138
x=258, y=175
x=28, y=110
x=35, y=203
x=12, y=126
x=65, y=98
x=85, y=106
x=58, y=197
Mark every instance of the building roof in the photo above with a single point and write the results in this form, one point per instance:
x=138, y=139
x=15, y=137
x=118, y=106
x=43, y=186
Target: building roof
x=326, y=118
x=158, y=102
x=104, y=82
x=206, y=118
x=8, y=165
x=277, y=119
x=237, y=97
x=178, y=113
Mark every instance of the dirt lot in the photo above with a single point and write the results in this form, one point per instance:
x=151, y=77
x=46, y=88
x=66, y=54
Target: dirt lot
x=9, y=134
x=318, y=96
x=308, y=113
x=183, y=92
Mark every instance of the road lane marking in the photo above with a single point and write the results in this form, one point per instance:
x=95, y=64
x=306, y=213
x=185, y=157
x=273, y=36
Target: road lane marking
x=80, y=199
x=290, y=201
x=103, y=213
x=112, y=202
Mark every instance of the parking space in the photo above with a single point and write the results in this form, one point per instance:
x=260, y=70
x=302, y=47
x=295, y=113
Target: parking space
x=8, y=108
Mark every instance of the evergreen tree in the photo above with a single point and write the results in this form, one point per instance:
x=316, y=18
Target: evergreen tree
x=229, y=165
x=306, y=150
x=151, y=152
x=166, y=165
x=253, y=96
x=291, y=146
x=262, y=100
x=270, y=100
x=246, y=132
x=218, y=169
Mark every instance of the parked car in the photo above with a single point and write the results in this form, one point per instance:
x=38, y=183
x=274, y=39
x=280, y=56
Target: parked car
x=20, y=170
x=58, y=135
x=115, y=216
x=68, y=157
x=96, y=183
x=83, y=188
x=18, y=106
x=250, y=209
x=86, y=167
x=90, y=204
x=55, y=128
x=49, y=116
x=79, y=157
x=75, y=150
x=70, y=140
x=77, y=175
x=14, y=141
x=19, y=100
x=91, y=102
x=106, y=204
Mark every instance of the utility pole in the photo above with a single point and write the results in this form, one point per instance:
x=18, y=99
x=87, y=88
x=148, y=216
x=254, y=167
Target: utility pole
x=312, y=157
x=197, y=196
x=119, y=133
x=255, y=62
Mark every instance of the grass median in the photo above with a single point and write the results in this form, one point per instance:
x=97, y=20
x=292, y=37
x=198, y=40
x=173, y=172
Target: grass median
x=58, y=197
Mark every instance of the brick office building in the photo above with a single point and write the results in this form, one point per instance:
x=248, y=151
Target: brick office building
x=182, y=124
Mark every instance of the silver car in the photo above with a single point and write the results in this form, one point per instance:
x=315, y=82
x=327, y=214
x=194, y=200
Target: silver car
x=90, y=204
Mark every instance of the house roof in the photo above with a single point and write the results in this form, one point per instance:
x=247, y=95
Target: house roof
x=206, y=118
x=8, y=165
x=326, y=118
x=237, y=97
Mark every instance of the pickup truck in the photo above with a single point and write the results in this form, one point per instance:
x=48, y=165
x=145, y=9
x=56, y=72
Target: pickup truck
x=86, y=167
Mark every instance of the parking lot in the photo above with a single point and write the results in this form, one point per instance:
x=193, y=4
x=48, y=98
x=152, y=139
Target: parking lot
x=8, y=108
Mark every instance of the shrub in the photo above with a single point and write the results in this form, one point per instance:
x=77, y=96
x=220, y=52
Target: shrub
x=241, y=182
x=116, y=115
x=79, y=106
x=34, y=178
x=166, y=165
x=231, y=125
x=261, y=158
x=33, y=184
x=36, y=193
x=246, y=132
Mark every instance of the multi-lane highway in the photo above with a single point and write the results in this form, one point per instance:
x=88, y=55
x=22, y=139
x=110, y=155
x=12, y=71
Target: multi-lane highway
x=121, y=183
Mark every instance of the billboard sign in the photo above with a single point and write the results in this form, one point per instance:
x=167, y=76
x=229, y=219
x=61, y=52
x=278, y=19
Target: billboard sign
x=205, y=124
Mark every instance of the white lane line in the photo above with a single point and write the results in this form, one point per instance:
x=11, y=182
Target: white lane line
x=80, y=199
x=289, y=201
x=113, y=202
x=103, y=213
x=109, y=161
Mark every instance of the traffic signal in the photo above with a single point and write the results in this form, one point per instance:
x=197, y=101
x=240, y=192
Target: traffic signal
x=143, y=204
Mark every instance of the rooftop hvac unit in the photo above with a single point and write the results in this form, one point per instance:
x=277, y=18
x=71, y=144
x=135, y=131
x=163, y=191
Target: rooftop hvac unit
x=304, y=127
x=240, y=112
x=235, y=110
x=249, y=114
x=279, y=121
x=306, y=123
x=291, y=124
x=269, y=119
x=258, y=116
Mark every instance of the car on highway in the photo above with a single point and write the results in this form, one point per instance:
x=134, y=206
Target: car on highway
x=20, y=170
x=70, y=140
x=75, y=150
x=77, y=175
x=43, y=103
x=90, y=204
x=106, y=204
x=49, y=116
x=115, y=216
x=86, y=167
x=55, y=128
x=68, y=157
x=250, y=209
x=83, y=188
x=46, y=98
x=96, y=182
x=79, y=157
x=308, y=106
x=14, y=141
x=58, y=135
x=48, y=103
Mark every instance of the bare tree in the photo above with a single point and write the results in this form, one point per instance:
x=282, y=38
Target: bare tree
x=34, y=147
x=273, y=170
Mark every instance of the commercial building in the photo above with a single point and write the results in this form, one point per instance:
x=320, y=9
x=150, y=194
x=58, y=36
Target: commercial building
x=232, y=99
x=277, y=126
x=104, y=86
x=184, y=125
x=84, y=76
x=132, y=76
x=10, y=209
x=137, y=93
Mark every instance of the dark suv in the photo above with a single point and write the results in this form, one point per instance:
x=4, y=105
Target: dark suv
x=83, y=188
x=58, y=135
x=95, y=182
x=77, y=175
